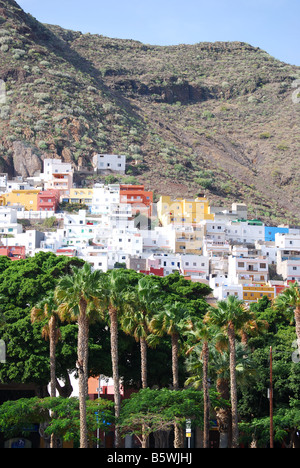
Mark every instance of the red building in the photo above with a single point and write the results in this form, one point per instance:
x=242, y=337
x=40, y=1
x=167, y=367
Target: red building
x=153, y=271
x=48, y=200
x=138, y=197
x=100, y=388
x=67, y=252
x=15, y=252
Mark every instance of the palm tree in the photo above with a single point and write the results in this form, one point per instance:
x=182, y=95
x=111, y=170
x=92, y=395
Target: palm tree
x=230, y=315
x=172, y=320
x=252, y=327
x=289, y=301
x=219, y=371
x=201, y=333
x=47, y=310
x=139, y=304
x=112, y=288
x=78, y=295
x=138, y=309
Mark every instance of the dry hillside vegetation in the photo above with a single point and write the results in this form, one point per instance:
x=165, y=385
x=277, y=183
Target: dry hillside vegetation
x=216, y=117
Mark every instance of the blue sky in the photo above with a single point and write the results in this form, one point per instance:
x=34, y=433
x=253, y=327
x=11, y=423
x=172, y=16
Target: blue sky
x=272, y=25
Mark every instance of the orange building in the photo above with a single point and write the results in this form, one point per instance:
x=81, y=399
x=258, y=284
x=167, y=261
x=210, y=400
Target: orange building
x=138, y=197
x=15, y=252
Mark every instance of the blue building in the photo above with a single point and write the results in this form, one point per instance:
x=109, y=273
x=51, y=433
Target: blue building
x=271, y=231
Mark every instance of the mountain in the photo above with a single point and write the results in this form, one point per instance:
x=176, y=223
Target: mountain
x=220, y=118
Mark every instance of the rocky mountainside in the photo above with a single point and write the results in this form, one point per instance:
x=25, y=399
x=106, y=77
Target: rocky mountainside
x=220, y=118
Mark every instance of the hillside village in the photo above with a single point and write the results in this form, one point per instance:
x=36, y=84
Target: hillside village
x=120, y=226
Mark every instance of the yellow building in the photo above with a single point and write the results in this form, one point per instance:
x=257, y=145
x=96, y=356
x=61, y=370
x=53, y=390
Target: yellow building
x=189, y=241
x=22, y=198
x=253, y=292
x=84, y=196
x=183, y=211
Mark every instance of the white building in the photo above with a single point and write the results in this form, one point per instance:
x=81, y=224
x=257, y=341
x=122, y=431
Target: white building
x=3, y=181
x=109, y=163
x=30, y=239
x=55, y=166
x=267, y=249
x=8, y=222
x=247, y=268
x=288, y=256
x=129, y=242
x=58, y=175
x=247, y=232
x=52, y=241
x=103, y=197
x=195, y=266
x=237, y=211
x=159, y=239
x=215, y=231
x=223, y=287
x=14, y=184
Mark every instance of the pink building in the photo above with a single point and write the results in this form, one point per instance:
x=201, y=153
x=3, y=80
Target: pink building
x=48, y=200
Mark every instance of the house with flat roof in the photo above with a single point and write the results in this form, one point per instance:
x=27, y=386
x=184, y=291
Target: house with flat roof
x=107, y=163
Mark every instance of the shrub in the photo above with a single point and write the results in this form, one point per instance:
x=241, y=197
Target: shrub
x=264, y=136
x=43, y=145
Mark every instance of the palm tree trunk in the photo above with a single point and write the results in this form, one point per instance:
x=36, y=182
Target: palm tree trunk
x=233, y=386
x=115, y=367
x=205, y=395
x=82, y=364
x=174, y=337
x=224, y=414
x=297, y=324
x=52, y=340
x=175, y=361
x=143, y=346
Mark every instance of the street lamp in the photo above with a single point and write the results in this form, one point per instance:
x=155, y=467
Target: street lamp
x=99, y=390
x=271, y=400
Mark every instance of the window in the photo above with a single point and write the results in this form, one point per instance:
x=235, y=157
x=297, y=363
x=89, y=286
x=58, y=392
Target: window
x=241, y=264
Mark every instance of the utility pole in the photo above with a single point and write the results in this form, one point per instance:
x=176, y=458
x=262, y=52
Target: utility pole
x=271, y=401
